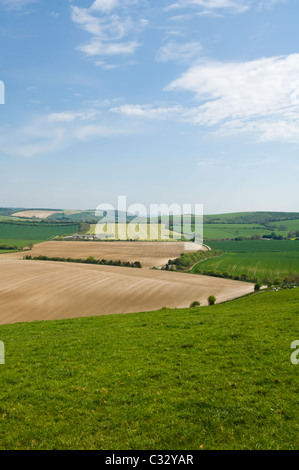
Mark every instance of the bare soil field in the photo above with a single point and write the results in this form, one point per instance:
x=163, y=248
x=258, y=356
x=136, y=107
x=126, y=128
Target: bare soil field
x=44, y=290
x=148, y=253
x=36, y=214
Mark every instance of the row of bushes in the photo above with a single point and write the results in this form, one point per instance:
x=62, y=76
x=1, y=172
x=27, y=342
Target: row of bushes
x=211, y=301
x=292, y=279
x=7, y=247
x=89, y=260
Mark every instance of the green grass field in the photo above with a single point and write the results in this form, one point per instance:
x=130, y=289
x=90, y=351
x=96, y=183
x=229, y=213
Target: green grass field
x=265, y=261
x=23, y=234
x=231, y=231
x=265, y=267
x=216, y=377
x=256, y=246
x=215, y=231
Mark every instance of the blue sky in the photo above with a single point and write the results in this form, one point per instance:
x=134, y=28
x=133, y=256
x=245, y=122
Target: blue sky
x=170, y=101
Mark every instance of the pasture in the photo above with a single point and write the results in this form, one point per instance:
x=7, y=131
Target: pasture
x=215, y=378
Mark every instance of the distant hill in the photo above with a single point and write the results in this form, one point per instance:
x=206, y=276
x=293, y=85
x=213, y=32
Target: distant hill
x=89, y=216
x=250, y=217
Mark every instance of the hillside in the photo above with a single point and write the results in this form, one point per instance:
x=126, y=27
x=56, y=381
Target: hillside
x=211, y=378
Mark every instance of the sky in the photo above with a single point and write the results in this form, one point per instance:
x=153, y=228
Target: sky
x=169, y=101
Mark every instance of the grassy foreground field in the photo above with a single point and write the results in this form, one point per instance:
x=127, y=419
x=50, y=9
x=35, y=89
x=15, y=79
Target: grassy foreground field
x=210, y=378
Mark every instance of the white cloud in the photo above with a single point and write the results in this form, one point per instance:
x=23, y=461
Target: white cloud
x=97, y=48
x=111, y=33
x=45, y=134
x=70, y=116
x=178, y=52
x=260, y=96
x=148, y=112
x=16, y=4
x=104, y=5
x=211, y=6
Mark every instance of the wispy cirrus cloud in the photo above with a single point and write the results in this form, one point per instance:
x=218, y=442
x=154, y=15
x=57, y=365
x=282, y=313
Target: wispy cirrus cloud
x=206, y=6
x=181, y=52
x=113, y=26
x=16, y=4
x=49, y=133
x=149, y=111
x=212, y=6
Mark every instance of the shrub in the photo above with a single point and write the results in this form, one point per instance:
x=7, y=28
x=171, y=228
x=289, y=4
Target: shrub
x=257, y=287
x=195, y=304
x=212, y=300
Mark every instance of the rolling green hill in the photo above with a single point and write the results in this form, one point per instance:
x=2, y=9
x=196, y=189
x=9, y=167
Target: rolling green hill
x=216, y=377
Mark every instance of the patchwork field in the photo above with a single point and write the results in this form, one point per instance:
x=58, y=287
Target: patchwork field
x=43, y=214
x=23, y=234
x=37, y=290
x=148, y=253
x=267, y=261
x=133, y=231
x=263, y=266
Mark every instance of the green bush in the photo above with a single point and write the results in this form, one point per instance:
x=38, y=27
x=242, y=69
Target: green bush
x=195, y=304
x=212, y=300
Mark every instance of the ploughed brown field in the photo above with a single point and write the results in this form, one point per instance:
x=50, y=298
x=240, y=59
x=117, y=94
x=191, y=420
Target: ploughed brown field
x=45, y=290
x=37, y=214
x=148, y=253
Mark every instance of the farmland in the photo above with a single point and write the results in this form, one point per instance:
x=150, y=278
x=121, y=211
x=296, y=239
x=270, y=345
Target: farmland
x=210, y=378
x=223, y=231
x=256, y=260
x=32, y=214
x=21, y=234
x=256, y=246
x=108, y=357
x=54, y=290
x=148, y=253
x=265, y=267
x=141, y=231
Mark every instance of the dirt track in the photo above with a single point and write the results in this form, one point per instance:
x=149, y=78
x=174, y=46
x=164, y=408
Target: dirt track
x=148, y=253
x=42, y=290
